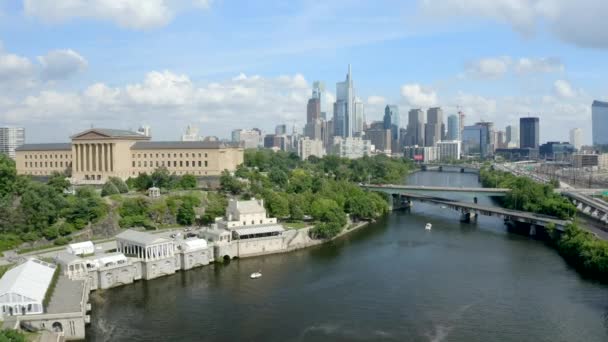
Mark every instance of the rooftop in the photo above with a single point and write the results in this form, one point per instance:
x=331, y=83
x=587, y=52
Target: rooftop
x=259, y=229
x=140, y=238
x=170, y=145
x=45, y=147
x=597, y=103
x=30, y=279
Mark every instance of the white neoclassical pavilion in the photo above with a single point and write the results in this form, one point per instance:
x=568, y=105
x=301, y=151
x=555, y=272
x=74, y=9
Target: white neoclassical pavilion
x=144, y=246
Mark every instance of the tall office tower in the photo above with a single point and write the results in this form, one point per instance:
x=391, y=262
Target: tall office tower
x=475, y=140
x=314, y=129
x=280, y=129
x=391, y=122
x=453, y=127
x=343, y=107
x=501, y=141
x=313, y=110
x=512, y=136
x=415, y=127
x=461, y=117
x=576, y=138
x=490, y=135
x=145, y=130
x=599, y=122
x=529, y=132
x=191, y=134
x=318, y=92
x=432, y=131
x=249, y=138
x=10, y=139
x=359, y=121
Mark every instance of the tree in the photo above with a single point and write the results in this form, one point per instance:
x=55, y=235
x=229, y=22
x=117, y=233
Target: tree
x=8, y=175
x=276, y=204
x=122, y=187
x=109, y=189
x=58, y=181
x=10, y=335
x=278, y=177
x=185, y=214
x=188, y=182
x=230, y=183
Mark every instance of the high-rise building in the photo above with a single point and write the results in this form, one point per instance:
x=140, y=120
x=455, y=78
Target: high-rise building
x=576, y=138
x=359, y=118
x=381, y=139
x=415, y=127
x=314, y=129
x=490, y=136
x=512, y=136
x=308, y=147
x=475, y=140
x=280, y=129
x=344, y=107
x=434, y=125
x=145, y=130
x=453, y=127
x=391, y=122
x=249, y=138
x=313, y=110
x=10, y=139
x=318, y=92
x=599, y=122
x=352, y=147
x=501, y=139
x=449, y=150
x=191, y=134
x=529, y=132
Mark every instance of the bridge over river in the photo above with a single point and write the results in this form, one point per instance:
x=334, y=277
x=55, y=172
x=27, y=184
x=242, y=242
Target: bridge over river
x=404, y=195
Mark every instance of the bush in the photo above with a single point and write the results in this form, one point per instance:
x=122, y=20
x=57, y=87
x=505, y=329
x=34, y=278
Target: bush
x=122, y=187
x=109, y=189
x=188, y=182
x=62, y=241
x=185, y=214
x=10, y=335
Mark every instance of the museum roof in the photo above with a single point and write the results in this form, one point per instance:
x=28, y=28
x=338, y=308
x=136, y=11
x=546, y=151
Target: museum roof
x=45, y=147
x=170, y=145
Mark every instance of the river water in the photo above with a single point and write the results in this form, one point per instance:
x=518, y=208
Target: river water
x=391, y=281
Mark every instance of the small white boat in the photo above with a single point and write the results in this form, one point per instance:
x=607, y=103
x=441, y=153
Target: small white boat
x=428, y=226
x=255, y=275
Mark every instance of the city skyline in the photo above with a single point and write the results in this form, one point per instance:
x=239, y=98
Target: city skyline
x=144, y=69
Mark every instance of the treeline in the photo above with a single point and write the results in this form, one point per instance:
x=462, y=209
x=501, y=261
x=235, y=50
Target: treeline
x=528, y=195
x=162, y=179
x=584, y=251
x=32, y=210
x=178, y=209
x=322, y=189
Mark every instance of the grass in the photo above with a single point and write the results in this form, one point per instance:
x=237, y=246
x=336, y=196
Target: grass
x=5, y=268
x=295, y=225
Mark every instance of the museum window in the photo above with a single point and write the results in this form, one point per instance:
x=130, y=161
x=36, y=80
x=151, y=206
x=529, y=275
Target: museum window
x=199, y=163
x=205, y=163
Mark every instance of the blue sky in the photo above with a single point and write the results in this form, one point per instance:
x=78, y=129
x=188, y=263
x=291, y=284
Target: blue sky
x=222, y=64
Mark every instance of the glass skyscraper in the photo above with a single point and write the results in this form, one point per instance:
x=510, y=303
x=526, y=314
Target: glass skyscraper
x=599, y=122
x=453, y=127
x=344, y=114
x=529, y=129
x=475, y=140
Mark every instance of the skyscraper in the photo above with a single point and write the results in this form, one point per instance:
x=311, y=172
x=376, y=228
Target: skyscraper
x=576, y=138
x=313, y=110
x=599, y=122
x=453, y=127
x=433, y=129
x=391, y=122
x=359, y=117
x=280, y=129
x=415, y=127
x=529, y=132
x=512, y=136
x=475, y=140
x=343, y=107
x=318, y=92
x=10, y=139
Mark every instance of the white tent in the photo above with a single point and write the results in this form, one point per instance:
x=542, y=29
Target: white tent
x=80, y=248
x=22, y=288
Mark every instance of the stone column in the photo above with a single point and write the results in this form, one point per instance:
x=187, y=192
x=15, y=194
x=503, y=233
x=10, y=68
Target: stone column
x=75, y=162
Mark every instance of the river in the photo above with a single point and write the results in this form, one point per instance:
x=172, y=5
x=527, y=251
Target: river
x=391, y=281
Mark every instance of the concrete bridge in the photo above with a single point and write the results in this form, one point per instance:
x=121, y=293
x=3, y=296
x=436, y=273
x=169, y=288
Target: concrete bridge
x=421, y=189
x=450, y=168
x=469, y=212
x=588, y=205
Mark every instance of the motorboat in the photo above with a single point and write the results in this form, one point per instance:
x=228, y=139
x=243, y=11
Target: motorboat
x=255, y=275
x=428, y=226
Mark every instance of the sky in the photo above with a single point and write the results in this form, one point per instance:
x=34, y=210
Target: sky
x=68, y=65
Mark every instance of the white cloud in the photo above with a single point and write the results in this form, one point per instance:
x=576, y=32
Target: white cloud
x=579, y=22
x=417, y=96
x=538, y=65
x=563, y=89
x=492, y=67
x=61, y=64
x=376, y=100
x=133, y=14
x=14, y=69
x=164, y=97
x=497, y=67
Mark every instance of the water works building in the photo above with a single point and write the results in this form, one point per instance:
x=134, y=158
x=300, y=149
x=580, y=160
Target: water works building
x=96, y=154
